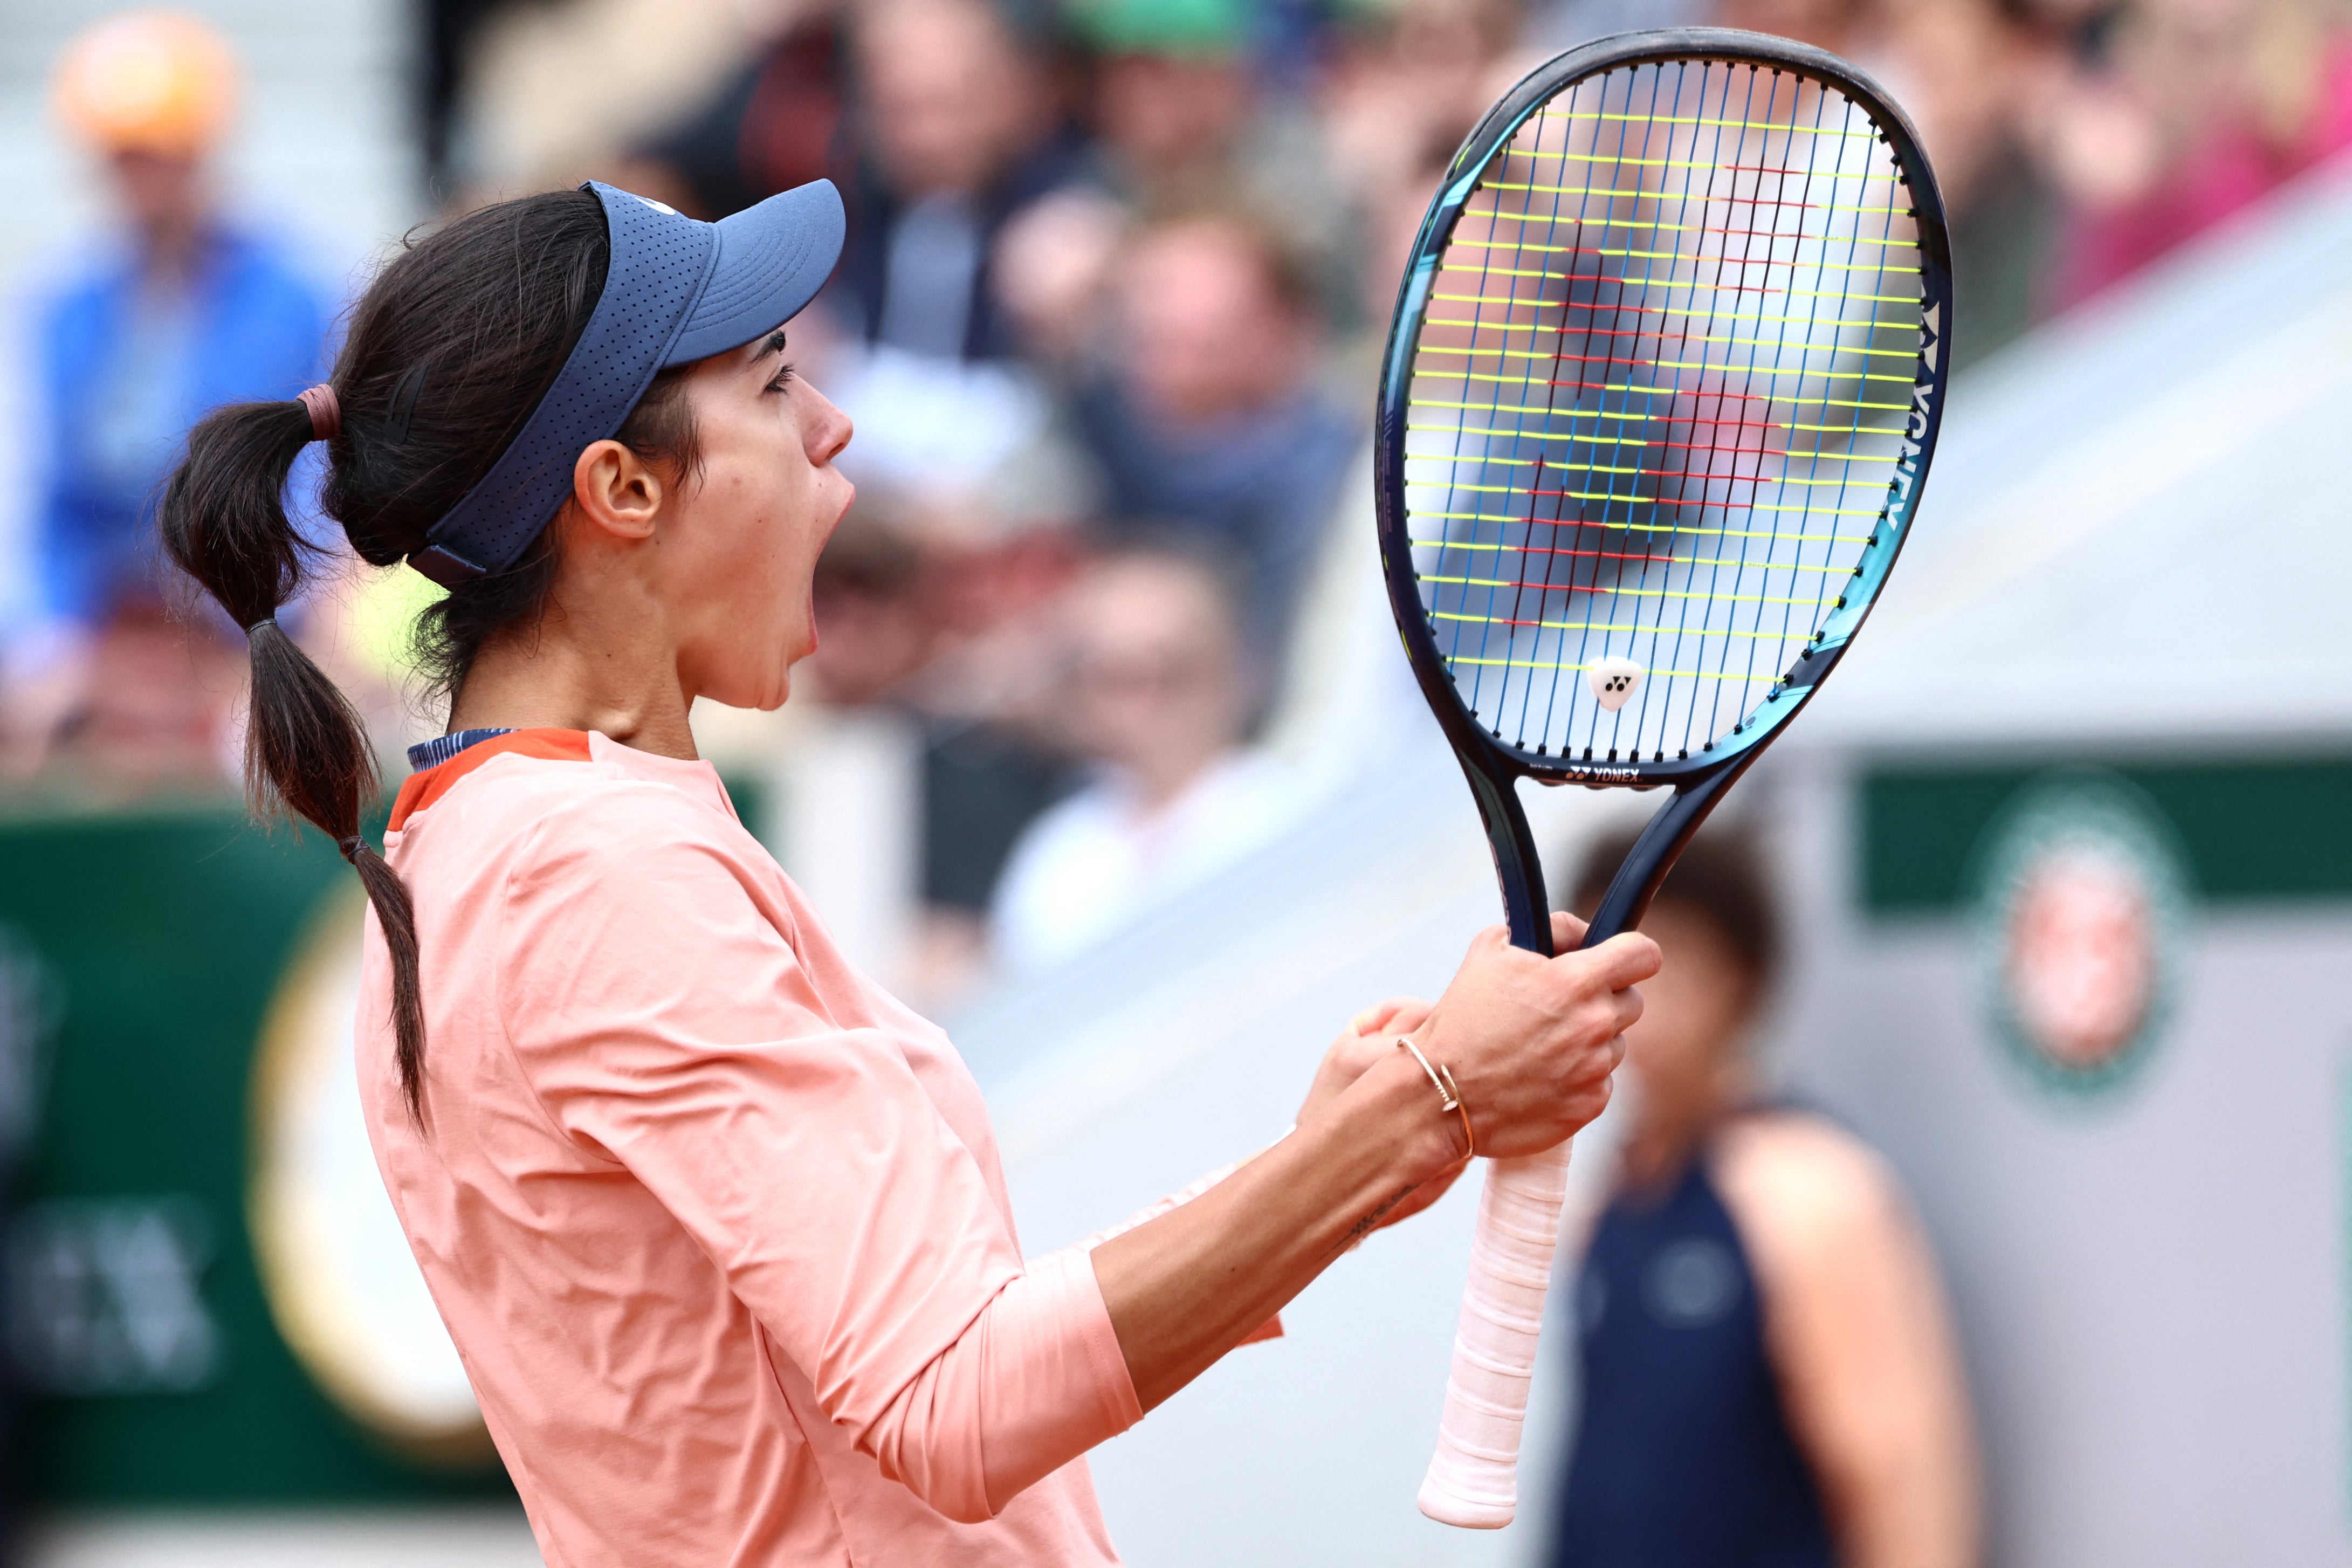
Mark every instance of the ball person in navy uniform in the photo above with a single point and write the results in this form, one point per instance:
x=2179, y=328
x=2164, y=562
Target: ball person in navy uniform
x=1769, y=1379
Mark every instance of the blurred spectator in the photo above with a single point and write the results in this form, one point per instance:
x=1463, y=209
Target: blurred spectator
x=189, y=312
x=992, y=757
x=890, y=602
x=1769, y=1372
x=519, y=121
x=1210, y=420
x=1410, y=80
x=1340, y=694
x=1159, y=692
x=186, y=311
x=873, y=630
x=2216, y=103
x=1173, y=95
x=1183, y=123
x=772, y=126
x=1837, y=26
x=1391, y=223
x=1982, y=81
x=154, y=711
x=1053, y=265
x=959, y=128
x=448, y=31
x=1553, y=25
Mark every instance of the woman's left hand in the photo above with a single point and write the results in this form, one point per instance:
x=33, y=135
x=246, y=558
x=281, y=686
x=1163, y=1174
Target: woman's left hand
x=1369, y=1035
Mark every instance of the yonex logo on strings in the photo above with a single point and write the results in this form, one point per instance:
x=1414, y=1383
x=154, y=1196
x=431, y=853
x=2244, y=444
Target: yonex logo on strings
x=1615, y=679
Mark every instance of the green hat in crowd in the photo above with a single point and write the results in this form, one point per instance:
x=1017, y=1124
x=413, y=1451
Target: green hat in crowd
x=1163, y=26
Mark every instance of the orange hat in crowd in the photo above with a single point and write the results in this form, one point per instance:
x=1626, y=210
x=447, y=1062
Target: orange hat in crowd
x=147, y=82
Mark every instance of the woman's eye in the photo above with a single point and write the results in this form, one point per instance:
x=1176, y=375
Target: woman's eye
x=784, y=376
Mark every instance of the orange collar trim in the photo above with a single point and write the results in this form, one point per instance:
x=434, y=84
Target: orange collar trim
x=429, y=784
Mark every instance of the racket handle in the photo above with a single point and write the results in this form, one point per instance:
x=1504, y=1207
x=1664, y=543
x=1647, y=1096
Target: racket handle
x=1472, y=1479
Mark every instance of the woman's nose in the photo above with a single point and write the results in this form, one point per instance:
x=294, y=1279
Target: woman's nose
x=829, y=432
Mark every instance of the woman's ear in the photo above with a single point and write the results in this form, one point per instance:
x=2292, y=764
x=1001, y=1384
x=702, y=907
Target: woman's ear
x=617, y=491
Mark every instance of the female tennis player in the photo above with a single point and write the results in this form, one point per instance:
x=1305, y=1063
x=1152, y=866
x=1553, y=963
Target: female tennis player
x=717, y=1225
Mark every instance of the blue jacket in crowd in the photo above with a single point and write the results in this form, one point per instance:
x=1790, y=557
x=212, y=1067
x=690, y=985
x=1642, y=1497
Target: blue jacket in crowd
x=123, y=372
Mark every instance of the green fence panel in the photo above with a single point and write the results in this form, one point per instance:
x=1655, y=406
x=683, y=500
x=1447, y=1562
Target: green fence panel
x=160, y=939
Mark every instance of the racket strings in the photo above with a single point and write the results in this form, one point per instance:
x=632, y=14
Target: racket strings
x=1655, y=400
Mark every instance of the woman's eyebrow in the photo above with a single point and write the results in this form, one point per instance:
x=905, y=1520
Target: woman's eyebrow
x=774, y=345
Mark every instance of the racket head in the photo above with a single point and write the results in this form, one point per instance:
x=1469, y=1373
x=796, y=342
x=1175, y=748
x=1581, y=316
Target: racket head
x=1663, y=384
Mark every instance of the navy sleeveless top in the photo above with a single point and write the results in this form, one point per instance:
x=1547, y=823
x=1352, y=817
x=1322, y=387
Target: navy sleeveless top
x=1682, y=1455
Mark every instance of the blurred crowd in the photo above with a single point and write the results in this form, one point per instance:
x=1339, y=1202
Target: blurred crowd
x=1108, y=324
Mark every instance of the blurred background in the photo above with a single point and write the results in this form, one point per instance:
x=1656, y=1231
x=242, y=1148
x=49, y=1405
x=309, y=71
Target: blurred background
x=1109, y=759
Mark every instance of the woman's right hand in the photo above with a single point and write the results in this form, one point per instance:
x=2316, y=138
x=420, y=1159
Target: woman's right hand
x=1532, y=1040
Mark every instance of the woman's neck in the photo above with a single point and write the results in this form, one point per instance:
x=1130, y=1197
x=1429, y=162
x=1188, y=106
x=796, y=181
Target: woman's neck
x=550, y=677
x=1667, y=1136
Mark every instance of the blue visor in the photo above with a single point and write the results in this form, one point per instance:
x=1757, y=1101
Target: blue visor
x=677, y=290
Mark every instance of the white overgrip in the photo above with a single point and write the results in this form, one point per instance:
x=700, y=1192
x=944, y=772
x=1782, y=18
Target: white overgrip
x=1472, y=1479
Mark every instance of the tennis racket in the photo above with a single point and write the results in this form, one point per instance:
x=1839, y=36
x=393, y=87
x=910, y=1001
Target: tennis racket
x=1664, y=377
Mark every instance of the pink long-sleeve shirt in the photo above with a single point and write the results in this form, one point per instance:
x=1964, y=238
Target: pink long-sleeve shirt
x=717, y=1225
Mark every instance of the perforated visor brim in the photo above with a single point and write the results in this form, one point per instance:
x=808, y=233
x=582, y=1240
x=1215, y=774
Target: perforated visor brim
x=772, y=259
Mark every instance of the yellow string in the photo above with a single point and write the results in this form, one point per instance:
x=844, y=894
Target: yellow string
x=1571, y=118
x=1630, y=388
x=1417, y=515
x=1567, y=331
x=1541, y=664
x=1530, y=435
x=1452, y=487
x=1796, y=370
x=1852, y=429
x=1516, y=151
x=1603, y=626
x=1628, y=441
x=1643, y=310
x=1800, y=236
x=1501, y=407
x=1693, y=562
x=1670, y=284
x=1880, y=267
x=1534, y=189
x=1637, y=594
x=1466, y=460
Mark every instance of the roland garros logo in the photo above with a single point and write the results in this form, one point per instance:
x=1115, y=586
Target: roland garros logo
x=2081, y=897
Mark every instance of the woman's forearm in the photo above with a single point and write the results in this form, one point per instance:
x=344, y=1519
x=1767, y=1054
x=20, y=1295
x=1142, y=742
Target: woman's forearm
x=1187, y=1287
x=1530, y=1041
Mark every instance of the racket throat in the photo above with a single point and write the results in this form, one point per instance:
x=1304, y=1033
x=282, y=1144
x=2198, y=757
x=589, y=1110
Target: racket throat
x=1516, y=868
x=1653, y=854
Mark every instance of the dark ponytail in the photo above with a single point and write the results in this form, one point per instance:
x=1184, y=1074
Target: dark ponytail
x=305, y=752
x=449, y=350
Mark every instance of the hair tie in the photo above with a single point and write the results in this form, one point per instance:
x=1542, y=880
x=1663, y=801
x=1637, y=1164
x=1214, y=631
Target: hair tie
x=326, y=413
x=350, y=847
x=268, y=620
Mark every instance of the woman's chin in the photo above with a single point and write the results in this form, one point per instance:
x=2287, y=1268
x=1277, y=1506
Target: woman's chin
x=764, y=690
x=768, y=694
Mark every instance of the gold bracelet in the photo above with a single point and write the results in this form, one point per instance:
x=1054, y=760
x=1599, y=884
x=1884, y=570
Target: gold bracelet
x=1449, y=1096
